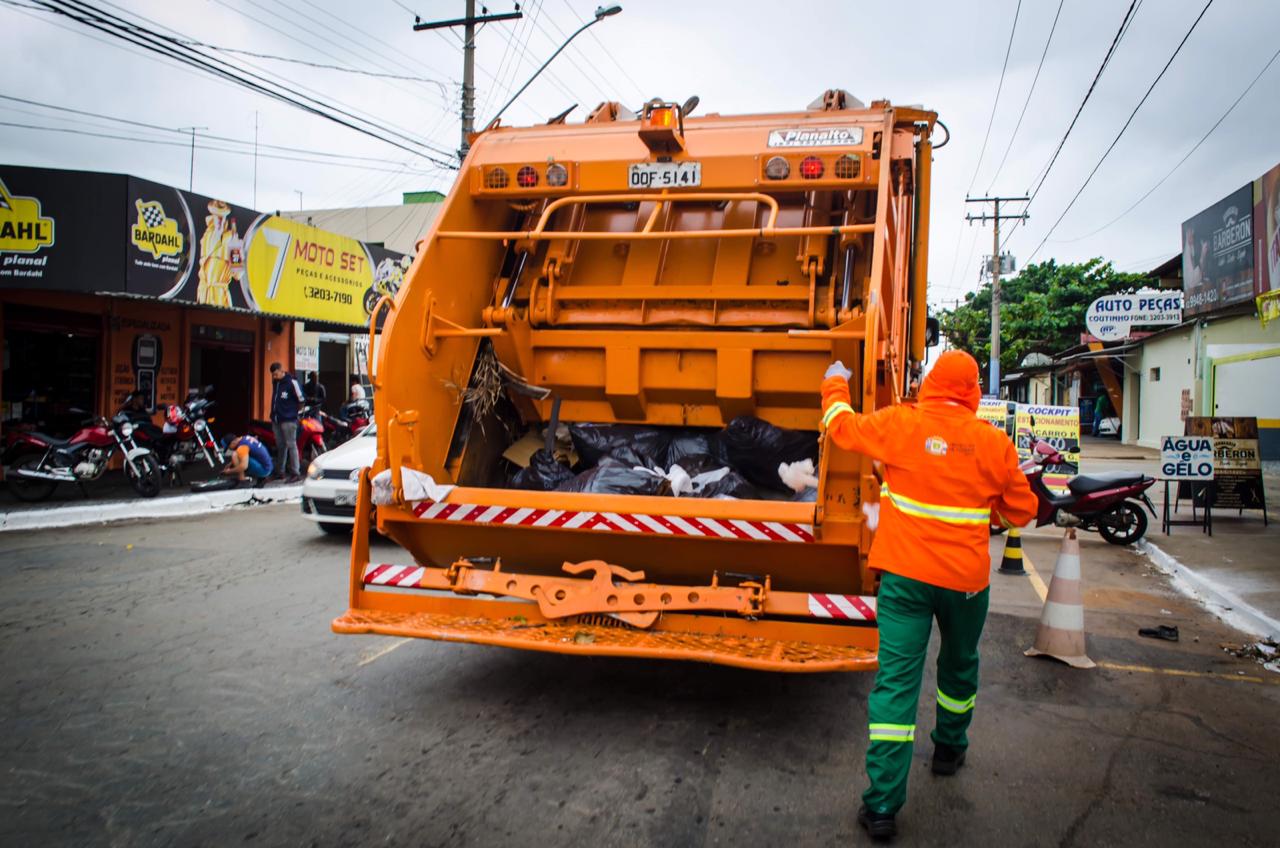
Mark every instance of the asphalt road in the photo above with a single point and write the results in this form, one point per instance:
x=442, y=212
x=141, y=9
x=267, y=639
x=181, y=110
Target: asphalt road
x=176, y=683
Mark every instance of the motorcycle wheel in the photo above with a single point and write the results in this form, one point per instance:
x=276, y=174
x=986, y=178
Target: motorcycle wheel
x=149, y=480
x=312, y=453
x=1125, y=525
x=25, y=488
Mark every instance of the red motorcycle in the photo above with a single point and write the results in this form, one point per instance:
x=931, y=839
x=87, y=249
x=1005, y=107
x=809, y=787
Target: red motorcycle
x=38, y=463
x=1110, y=503
x=310, y=435
x=350, y=420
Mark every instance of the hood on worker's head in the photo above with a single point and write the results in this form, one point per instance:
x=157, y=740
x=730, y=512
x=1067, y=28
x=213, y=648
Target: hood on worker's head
x=954, y=377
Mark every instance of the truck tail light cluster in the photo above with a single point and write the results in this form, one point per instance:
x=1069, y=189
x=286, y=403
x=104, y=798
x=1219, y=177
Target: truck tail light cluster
x=496, y=178
x=812, y=167
x=523, y=178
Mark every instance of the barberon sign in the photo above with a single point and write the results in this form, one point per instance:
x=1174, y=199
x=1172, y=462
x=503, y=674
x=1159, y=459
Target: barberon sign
x=1111, y=317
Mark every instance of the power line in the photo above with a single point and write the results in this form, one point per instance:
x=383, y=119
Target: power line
x=1043, y=173
x=164, y=45
x=185, y=145
x=343, y=69
x=607, y=52
x=1129, y=15
x=1116, y=140
x=996, y=103
x=145, y=125
x=1030, y=91
x=1183, y=160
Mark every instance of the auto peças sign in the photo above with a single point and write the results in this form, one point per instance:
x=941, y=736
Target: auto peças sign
x=1112, y=316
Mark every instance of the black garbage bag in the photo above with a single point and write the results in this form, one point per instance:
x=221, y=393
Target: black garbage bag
x=612, y=477
x=544, y=473
x=629, y=444
x=689, y=443
x=731, y=485
x=695, y=464
x=755, y=448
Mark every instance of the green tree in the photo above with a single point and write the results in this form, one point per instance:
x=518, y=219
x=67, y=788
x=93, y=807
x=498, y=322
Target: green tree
x=1041, y=310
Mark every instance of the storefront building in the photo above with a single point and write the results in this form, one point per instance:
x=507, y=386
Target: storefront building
x=338, y=353
x=111, y=284
x=1224, y=359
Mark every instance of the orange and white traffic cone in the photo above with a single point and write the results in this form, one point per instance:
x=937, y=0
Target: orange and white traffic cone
x=1061, y=632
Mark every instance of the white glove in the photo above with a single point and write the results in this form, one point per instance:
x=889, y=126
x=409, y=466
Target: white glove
x=837, y=369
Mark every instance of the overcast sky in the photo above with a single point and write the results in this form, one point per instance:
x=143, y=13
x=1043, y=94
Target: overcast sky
x=738, y=56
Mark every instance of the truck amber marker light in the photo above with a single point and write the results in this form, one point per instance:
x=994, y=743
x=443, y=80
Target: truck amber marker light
x=676, y=275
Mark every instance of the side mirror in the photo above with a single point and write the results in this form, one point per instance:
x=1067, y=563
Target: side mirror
x=932, y=332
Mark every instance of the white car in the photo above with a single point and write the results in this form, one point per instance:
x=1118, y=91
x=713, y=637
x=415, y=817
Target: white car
x=329, y=492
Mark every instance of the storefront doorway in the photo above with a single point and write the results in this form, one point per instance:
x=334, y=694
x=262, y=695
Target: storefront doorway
x=52, y=367
x=223, y=358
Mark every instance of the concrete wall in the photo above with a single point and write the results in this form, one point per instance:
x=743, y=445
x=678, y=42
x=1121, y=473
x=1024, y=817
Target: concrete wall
x=1174, y=353
x=1160, y=412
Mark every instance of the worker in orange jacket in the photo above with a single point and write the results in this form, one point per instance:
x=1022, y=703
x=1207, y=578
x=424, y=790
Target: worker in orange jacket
x=948, y=477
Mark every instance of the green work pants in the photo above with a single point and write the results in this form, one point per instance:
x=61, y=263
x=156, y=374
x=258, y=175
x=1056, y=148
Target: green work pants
x=905, y=610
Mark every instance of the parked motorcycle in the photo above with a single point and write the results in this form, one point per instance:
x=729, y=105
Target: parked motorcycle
x=41, y=462
x=350, y=420
x=310, y=435
x=1110, y=503
x=188, y=434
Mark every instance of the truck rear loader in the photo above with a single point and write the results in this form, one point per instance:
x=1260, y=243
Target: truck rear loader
x=662, y=270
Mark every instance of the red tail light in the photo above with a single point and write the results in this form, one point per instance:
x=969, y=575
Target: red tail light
x=811, y=168
x=526, y=177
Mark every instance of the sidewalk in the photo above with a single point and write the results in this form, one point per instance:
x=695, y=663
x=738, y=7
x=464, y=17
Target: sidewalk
x=113, y=499
x=1236, y=571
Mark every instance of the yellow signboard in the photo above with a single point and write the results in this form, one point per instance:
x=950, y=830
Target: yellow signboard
x=294, y=269
x=155, y=232
x=22, y=228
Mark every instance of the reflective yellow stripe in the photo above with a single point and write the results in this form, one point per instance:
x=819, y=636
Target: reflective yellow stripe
x=953, y=705
x=834, y=410
x=937, y=512
x=893, y=732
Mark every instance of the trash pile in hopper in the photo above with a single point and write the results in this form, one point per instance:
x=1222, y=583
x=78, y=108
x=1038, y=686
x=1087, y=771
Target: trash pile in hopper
x=748, y=459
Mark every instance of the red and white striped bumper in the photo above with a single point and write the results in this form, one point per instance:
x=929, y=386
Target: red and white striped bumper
x=851, y=607
x=613, y=522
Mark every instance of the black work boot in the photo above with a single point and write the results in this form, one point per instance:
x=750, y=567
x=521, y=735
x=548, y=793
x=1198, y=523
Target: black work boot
x=879, y=826
x=947, y=760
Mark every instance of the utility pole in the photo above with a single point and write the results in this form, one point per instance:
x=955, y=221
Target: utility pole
x=993, y=366
x=191, y=175
x=468, y=60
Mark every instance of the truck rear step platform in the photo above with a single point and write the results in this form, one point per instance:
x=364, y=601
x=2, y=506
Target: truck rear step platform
x=591, y=635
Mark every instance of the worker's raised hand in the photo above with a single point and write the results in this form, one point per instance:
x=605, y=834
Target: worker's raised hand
x=837, y=369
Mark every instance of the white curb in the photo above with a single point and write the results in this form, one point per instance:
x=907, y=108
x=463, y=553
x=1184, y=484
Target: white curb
x=1223, y=603
x=104, y=512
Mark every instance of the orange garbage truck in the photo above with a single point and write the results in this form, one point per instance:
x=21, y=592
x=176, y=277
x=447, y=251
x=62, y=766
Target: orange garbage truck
x=640, y=279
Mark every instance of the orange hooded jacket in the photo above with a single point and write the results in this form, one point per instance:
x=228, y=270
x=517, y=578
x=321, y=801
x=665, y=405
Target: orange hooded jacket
x=948, y=476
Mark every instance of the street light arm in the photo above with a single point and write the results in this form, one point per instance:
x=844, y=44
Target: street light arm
x=601, y=14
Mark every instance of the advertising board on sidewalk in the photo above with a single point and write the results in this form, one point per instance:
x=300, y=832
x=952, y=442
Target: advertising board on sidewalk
x=1238, y=468
x=1057, y=425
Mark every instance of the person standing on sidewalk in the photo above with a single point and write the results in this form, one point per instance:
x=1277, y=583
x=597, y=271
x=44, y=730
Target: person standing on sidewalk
x=948, y=477
x=286, y=400
x=314, y=390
